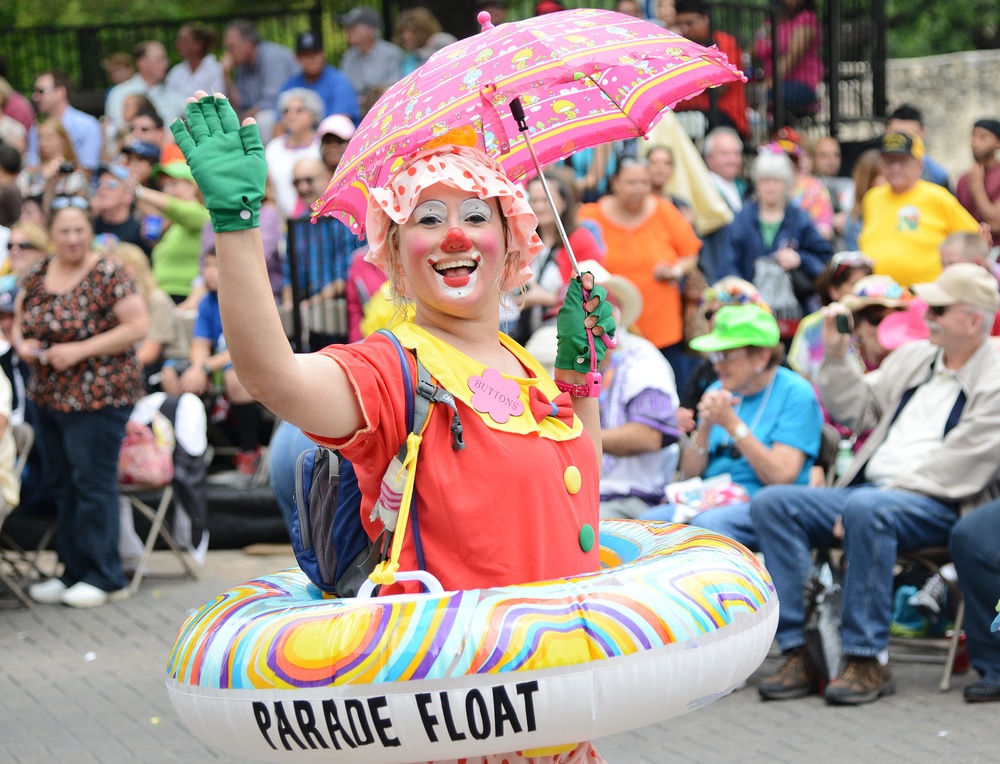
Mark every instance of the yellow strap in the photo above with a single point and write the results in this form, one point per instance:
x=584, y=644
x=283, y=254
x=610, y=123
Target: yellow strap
x=385, y=571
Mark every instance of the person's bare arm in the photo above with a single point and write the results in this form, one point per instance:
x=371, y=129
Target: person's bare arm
x=988, y=208
x=631, y=439
x=802, y=39
x=311, y=391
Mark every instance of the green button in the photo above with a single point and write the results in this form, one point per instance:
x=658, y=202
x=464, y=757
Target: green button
x=587, y=538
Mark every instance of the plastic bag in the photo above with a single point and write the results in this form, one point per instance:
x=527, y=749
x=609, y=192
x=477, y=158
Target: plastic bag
x=147, y=453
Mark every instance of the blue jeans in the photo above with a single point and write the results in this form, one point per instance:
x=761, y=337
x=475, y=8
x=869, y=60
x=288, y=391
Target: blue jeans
x=975, y=550
x=732, y=520
x=287, y=443
x=80, y=461
x=791, y=520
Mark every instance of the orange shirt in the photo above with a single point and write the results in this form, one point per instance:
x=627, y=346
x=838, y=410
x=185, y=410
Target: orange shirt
x=508, y=509
x=663, y=237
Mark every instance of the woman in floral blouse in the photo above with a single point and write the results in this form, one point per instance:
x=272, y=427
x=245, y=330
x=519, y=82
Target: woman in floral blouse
x=77, y=320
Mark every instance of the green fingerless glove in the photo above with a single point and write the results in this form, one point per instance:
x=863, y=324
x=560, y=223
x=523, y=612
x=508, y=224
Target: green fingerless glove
x=572, y=348
x=226, y=160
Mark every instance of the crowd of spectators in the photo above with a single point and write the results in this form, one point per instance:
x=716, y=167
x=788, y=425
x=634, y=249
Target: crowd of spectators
x=81, y=199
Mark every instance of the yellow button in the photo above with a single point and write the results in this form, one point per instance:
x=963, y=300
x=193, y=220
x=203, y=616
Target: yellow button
x=572, y=480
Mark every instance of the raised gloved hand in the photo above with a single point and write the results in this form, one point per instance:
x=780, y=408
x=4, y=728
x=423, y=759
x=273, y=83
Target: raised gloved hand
x=227, y=161
x=572, y=346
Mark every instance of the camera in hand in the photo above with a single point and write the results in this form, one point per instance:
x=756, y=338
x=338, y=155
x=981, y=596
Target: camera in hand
x=67, y=167
x=843, y=324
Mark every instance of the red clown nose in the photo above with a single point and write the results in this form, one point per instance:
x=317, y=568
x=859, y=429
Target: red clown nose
x=456, y=241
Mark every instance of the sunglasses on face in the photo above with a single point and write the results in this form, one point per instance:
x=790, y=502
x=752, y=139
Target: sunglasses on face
x=109, y=184
x=938, y=310
x=21, y=245
x=871, y=317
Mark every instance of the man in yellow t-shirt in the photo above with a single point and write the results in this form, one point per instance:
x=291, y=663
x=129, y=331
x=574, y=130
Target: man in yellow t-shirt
x=905, y=220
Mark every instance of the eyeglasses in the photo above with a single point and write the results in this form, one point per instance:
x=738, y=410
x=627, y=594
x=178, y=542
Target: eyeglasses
x=726, y=356
x=300, y=181
x=939, y=310
x=109, y=184
x=62, y=202
x=22, y=245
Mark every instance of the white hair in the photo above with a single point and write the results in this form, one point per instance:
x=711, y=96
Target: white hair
x=308, y=98
x=773, y=165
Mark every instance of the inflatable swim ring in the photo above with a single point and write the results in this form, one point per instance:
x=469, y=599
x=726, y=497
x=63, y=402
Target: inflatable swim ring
x=676, y=618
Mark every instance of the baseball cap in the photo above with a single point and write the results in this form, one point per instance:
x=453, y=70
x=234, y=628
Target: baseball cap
x=112, y=169
x=738, y=326
x=965, y=283
x=361, y=15
x=902, y=144
x=177, y=170
x=336, y=124
x=307, y=42
x=143, y=149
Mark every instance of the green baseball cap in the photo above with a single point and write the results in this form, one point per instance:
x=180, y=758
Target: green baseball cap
x=738, y=326
x=178, y=170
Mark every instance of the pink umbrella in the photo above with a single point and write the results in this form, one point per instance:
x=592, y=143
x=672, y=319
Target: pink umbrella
x=583, y=76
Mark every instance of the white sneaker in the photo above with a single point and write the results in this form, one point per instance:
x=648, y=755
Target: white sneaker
x=82, y=594
x=48, y=592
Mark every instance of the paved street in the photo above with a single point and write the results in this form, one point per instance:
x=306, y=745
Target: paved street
x=86, y=687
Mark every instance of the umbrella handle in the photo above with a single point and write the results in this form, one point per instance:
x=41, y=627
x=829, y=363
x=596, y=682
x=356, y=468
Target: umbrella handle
x=517, y=111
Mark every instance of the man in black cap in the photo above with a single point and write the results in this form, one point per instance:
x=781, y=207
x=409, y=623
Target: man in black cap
x=331, y=84
x=139, y=158
x=371, y=63
x=979, y=189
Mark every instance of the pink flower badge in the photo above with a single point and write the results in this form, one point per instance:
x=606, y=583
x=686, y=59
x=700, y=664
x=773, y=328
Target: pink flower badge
x=496, y=396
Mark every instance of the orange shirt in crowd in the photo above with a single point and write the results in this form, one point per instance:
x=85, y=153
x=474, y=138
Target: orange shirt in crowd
x=663, y=237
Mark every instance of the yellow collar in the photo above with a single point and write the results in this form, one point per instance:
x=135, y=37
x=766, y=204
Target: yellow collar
x=452, y=370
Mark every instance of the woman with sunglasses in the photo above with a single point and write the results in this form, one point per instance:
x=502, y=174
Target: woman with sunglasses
x=76, y=323
x=301, y=110
x=28, y=244
x=838, y=277
x=760, y=423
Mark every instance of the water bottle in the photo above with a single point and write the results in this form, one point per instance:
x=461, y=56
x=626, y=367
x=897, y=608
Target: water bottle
x=152, y=228
x=845, y=455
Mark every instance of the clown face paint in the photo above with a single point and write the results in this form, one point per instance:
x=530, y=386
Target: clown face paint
x=452, y=248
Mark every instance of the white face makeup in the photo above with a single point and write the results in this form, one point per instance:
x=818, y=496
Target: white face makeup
x=457, y=262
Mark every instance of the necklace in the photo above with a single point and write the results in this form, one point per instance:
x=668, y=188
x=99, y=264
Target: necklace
x=760, y=409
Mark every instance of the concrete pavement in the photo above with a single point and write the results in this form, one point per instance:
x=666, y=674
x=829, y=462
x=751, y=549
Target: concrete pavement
x=87, y=687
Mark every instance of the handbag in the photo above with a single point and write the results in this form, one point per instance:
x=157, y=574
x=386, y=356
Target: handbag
x=147, y=453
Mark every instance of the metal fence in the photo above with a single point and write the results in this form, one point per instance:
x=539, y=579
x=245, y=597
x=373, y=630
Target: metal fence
x=853, y=48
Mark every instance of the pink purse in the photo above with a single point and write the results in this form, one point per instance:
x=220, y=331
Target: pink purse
x=146, y=457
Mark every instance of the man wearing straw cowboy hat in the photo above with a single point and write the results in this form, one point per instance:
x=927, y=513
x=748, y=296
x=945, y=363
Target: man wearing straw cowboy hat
x=934, y=410
x=638, y=406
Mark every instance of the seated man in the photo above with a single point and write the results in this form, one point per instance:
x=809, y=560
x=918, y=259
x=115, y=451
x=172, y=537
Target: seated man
x=638, y=411
x=974, y=545
x=933, y=452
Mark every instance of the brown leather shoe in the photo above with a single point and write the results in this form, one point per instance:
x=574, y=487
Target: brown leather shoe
x=796, y=678
x=864, y=680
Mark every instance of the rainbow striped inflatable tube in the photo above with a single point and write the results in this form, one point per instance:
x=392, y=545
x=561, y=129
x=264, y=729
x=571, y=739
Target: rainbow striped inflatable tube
x=676, y=618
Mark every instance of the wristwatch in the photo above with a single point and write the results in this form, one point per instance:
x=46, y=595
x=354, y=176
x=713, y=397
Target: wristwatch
x=740, y=432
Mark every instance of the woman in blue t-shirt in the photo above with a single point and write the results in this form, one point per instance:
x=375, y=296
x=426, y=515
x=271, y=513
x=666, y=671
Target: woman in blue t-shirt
x=760, y=423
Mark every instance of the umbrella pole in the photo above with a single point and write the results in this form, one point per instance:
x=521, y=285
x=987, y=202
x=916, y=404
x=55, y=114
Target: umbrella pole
x=517, y=109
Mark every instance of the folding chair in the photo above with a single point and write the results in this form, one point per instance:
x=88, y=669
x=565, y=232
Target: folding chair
x=916, y=648
x=134, y=494
x=13, y=557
